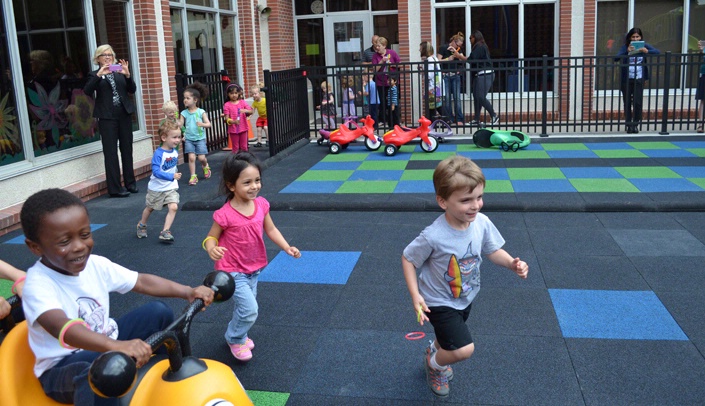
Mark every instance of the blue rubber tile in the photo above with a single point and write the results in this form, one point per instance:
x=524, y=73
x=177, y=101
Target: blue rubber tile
x=626, y=315
x=328, y=166
x=689, y=171
x=542, y=185
x=303, y=186
x=572, y=154
x=596, y=146
x=414, y=186
x=534, y=147
x=597, y=172
x=617, y=372
x=668, y=153
x=20, y=238
x=566, y=271
x=495, y=173
x=379, y=155
x=689, y=144
x=376, y=175
x=447, y=147
x=666, y=185
x=484, y=155
x=654, y=243
x=325, y=267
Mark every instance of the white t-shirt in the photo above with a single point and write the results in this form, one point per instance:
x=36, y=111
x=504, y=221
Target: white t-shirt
x=85, y=296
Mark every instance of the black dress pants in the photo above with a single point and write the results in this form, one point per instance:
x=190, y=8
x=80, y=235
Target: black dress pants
x=116, y=133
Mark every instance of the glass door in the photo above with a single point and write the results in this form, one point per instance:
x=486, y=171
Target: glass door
x=350, y=35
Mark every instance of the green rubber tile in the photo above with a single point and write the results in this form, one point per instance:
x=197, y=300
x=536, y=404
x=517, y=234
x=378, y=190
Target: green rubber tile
x=525, y=154
x=603, y=185
x=698, y=181
x=387, y=165
x=697, y=151
x=653, y=145
x=430, y=156
x=499, y=186
x=417, y=174
x=346, y=157
x=646, y=172
x=535, y=173
x=326, y=175
x=569, y=146
x=375, y=186
x=261, y=398
x=619, y=153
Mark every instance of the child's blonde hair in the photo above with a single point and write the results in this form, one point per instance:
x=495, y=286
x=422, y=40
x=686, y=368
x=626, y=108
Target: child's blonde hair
x=456, y=173
x=325, y=85
x=168, y=125
x=170, y=109
x=255, y=90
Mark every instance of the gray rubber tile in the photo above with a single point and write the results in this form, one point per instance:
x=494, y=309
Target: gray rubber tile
x=671, y=273
x=687, y=309
x=586, y=241
x=513, y=312
x=657, y=243
x=639, y=221
x=577, y=271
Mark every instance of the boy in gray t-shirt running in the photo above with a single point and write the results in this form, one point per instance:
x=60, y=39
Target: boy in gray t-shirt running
x=448, y=256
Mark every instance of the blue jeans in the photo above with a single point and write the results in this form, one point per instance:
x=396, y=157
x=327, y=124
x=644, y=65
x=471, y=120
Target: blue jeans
x=452, y=99
x=246, y=308
x=67, y=381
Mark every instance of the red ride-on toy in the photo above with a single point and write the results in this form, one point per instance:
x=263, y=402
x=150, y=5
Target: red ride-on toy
x=399, y=136
x=348, y=121
x=177, y=378
x=343, y=136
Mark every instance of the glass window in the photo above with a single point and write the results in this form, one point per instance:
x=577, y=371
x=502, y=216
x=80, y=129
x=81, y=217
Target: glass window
x=306, y=7
x=347, y=5
x=311, y=41
x=662, y=27
x=540, y=42
x=224, y=5
x=380, y=5
x=499, y=25
x=449, y=21
x=696, y=28
x=44, y=14
x=205, y=3
x=201, y=37
x=611, y=28
x=11, y=148
x=387, y=26
x=178, y=40
x=227, y=24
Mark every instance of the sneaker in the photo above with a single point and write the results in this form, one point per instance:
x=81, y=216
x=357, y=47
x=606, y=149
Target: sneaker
x=448, y=372
x=207, y=171
x=495, y=119
x=240, y=352
x=141, y=230
x=193, y=180
x=258, y=144
x=250, y=344
x=435, y=378
x=474, y=123
x=165, y=236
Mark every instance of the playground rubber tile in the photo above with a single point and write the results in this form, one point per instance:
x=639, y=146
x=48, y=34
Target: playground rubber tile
x=687, y=309
x=535, y=173
x=697, y=151
x=372, y=313
x=700, y=182
x=587, y=241
x=20, y=238
x=638, y=372
x=646, y=172
x=268, y=398
x=382, y=165
x=566, y=146
x=334, y=175
x=655, y=243
x=689, y=144
x=379, y=155
x=666, y=185
x=295, y=304
x=669, y=153
x=414, y=186
x=639, y=221
x=570, y=220
x=496, y=173
x=548, y=201
x=498, y=186
x=375, y=186
x=609, y=201
x=619, y=153
x=523, y=154
x=644, y=145
x=417, y=174
x=373, y=175
x=571, y=154
x=603, y=146
x=325, y=267
x=604, y=185
x=693, y=222
x=513, y=312
x=324, y=166
x=430, y=156
x=306, y=399
x=671, y=273
x=689, y=171
x=529, y=163
x=312, y=187
x=579, y=162
x=421, y=165
x=542, y=185
x=480, y=155
x=611, y=314
x=346, y=157
x=562, y=271
x=599, y=172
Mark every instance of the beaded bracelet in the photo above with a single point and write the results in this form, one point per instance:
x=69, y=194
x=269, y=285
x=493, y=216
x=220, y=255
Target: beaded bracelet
x=65, y=328
x=13, y=289
x=210, y=237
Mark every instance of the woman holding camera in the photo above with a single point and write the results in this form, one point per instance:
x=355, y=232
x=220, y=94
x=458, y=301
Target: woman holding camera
x=112, y=84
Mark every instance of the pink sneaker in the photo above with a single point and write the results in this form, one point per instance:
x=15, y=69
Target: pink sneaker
x=240, y=352
x=250, y=344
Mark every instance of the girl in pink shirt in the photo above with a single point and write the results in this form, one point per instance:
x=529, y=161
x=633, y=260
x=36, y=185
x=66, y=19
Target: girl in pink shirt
x=235, y=112
x=236, y=243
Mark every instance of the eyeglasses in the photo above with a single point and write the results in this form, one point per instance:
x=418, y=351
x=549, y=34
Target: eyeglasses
x=106, y=55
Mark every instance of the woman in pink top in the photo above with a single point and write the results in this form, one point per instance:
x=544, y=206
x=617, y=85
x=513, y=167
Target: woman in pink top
x=235, y=112
x=385, y=58
x=236, y=243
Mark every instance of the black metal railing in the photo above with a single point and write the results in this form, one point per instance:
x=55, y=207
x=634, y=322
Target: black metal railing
x=545, y=95
x=287, y=108
x=217, y=135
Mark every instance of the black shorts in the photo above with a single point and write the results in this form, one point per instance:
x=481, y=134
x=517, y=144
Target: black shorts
x=700, y=91
x=449, y=325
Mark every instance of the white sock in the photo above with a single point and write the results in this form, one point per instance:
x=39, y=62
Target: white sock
x=435, y=365
x=432, y=346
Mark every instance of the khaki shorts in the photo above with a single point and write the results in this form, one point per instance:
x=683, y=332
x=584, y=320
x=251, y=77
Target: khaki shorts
x=157, y=200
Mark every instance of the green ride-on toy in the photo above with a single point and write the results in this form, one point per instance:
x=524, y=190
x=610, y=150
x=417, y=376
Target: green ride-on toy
x=507, y=140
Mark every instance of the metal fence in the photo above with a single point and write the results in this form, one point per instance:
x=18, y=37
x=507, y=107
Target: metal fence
x=287, y=108
x=543, y=96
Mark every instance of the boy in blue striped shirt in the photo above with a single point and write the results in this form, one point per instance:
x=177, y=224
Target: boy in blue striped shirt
x=393, y=101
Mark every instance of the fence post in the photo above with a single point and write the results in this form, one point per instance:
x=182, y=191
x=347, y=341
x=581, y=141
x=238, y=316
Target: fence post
x=544, y=95
x=180, y=79
x=666, y=86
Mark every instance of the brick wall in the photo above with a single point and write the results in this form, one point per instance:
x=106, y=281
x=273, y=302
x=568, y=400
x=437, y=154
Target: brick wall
x=281, y=35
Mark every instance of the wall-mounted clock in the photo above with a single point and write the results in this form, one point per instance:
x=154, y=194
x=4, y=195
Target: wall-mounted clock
x=317, y=7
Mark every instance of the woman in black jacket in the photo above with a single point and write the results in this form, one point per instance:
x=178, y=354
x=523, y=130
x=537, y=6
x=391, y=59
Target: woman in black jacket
x=482, y=77
x=634, y=72
x=113, y=109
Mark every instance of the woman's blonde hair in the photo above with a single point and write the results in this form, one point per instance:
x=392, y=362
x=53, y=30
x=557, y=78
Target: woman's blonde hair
x=458, y=37
x=382, y=41
x=101, y=50
x=426, y=49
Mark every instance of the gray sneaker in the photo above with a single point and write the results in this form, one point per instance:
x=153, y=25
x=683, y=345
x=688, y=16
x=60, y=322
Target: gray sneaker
x=435, y=378
x=448, y=372
x=166, y=237
x=141, y=230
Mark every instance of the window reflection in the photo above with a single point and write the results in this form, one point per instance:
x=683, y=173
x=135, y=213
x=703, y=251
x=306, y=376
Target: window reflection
x=227, y=26
x=201, y=35
x=11, y=149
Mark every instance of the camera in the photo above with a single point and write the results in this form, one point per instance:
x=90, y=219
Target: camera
x=115, y=68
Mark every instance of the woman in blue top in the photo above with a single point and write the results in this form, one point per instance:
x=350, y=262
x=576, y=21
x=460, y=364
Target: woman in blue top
x=634, y=72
